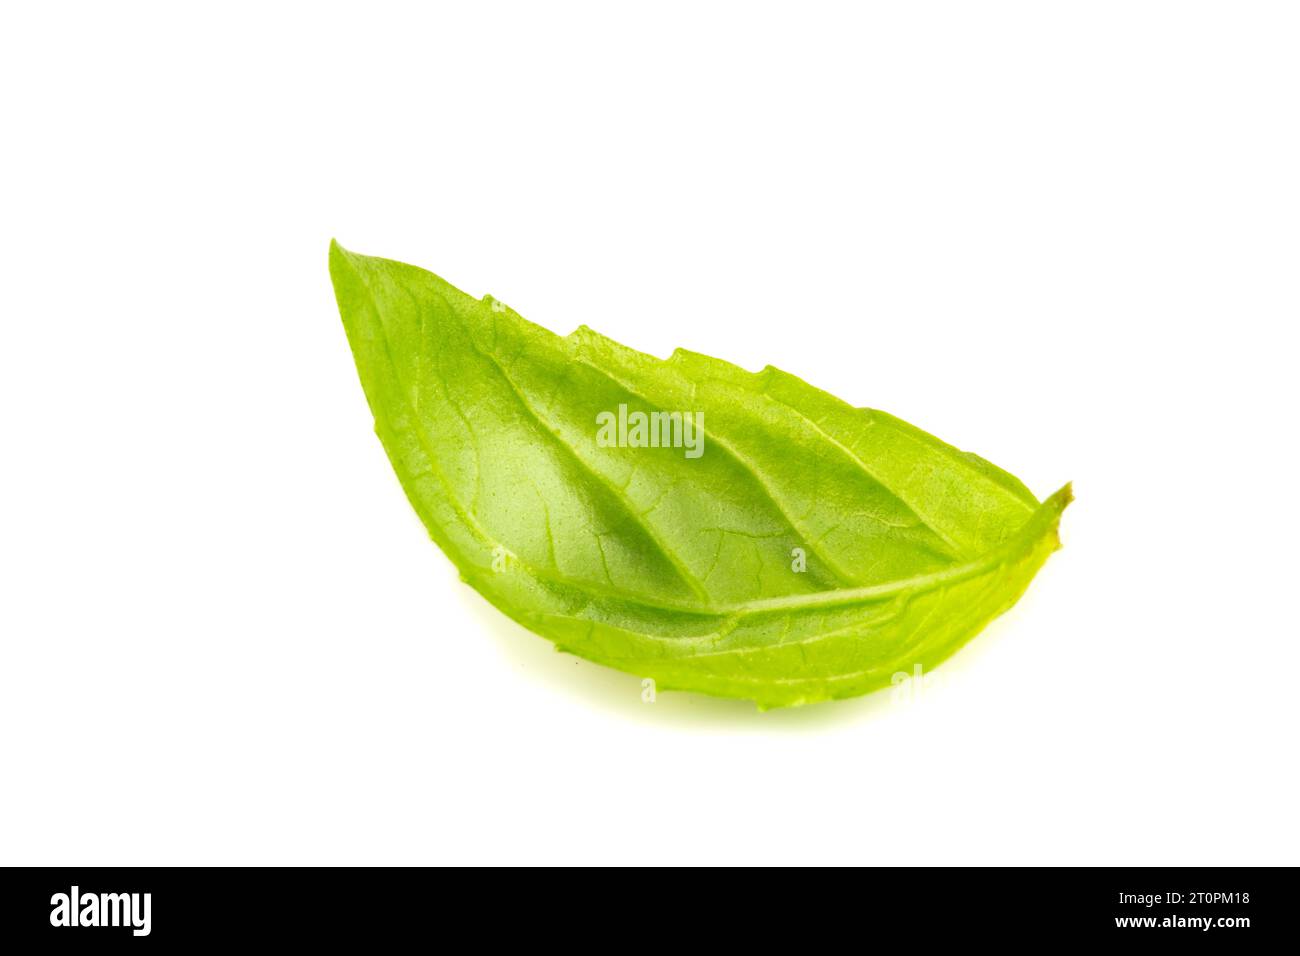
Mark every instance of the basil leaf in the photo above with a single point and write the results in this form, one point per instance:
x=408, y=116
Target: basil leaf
x=792, y=549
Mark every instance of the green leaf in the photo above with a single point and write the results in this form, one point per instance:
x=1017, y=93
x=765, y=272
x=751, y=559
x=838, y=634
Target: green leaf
x=665, y=563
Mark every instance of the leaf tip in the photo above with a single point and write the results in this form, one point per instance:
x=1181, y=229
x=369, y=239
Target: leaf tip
x=338, y=258
x=1065, y=495
x=1055, y=506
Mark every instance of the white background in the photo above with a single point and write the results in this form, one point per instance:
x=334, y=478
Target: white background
x=1064, y=236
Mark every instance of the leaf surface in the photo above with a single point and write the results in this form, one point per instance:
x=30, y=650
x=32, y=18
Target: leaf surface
x=812, y=550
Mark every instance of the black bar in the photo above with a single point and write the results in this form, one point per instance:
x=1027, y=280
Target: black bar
x=384, y=906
